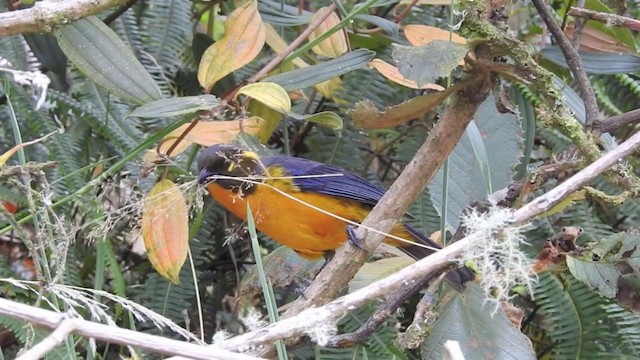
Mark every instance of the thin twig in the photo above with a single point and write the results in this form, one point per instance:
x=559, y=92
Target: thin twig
x=294, y=44
x=46, y=16
x=618, y=121
x=114, y=334
x=61, y=332
x=574, y=62
x=578, y=27
x=609, y=19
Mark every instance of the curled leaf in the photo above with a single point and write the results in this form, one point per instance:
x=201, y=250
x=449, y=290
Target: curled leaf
x=209, y=133
x=333, y=46
x=365, y=114
x=165, y=229
x=4, y=157
x=243, y=40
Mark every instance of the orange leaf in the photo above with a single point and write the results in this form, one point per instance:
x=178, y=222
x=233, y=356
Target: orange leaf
x=210, y=132
x=392, y=73
x=422, y=34
x=243, y=39
x=165, y=229
x=596, y=40
x=333, y=46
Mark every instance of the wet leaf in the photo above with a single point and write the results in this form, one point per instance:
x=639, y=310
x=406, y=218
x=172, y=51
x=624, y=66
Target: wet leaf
x=242, y=42
x=333, y=46
x=165, y=229
x=207, y=133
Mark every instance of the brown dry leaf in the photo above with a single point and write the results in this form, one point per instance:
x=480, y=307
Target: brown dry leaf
x=392, y=73
x=422, y=34
x=210, y=133
x=244, y=38
x=596, y=40
x=165, y=229
x=367, y=116
x=333, y=46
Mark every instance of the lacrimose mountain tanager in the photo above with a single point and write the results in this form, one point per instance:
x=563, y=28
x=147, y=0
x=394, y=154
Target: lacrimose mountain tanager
x=235, y=176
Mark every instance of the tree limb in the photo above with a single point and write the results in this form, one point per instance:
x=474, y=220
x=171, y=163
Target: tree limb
x=615, y=122
x=67, y=324
x=45, y=16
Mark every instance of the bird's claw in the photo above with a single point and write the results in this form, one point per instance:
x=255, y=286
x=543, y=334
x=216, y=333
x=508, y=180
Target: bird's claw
x=352, y=237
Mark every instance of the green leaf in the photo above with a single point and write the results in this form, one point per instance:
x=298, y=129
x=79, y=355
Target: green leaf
x=502, y=137
x=427, y=63
x=469, y=319
x=98, y=52
x=597, y=63
x=613, y=268
x=379, y=269
x=315, y=74
x=327, y=119
x=176, y=106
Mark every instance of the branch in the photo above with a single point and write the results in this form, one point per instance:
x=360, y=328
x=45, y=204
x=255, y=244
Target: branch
x=618, y=121
x=307, y=321
x=573, y=61
x=68, y=324
x=51, y=341
x=609, y=19
x=45, y=16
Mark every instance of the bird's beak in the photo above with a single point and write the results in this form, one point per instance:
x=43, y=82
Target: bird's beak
x=203, y=177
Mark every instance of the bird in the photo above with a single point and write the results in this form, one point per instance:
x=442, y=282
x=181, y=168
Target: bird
x=303, y=204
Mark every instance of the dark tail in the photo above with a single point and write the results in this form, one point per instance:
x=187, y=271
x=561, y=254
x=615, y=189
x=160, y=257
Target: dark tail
x=456, y=278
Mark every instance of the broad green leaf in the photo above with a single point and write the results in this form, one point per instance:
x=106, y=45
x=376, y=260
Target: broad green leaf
x=277, y=13
x=165, y=229
x=176, y=106
x=46, y=49
x=482, y=331
x=333, y=46
x=315, y=74
x=207, y=133
x=597, y=63
x=98, y=52
x=327, y=119
x=571, y=99
x=392, y=29
x=243, y=39
x=613, y=268
x=268, y=93
x=427, y=63
x=502, y=137
x=365, y=114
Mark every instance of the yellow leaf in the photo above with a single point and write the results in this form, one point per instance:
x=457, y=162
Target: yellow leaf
x=392, y=73
x=270, y=117
x=333, y=46
x=422, y=34
x=209, y=133
x=165, y=229
x=243, y=40
x=270, y=94
x=4, y=157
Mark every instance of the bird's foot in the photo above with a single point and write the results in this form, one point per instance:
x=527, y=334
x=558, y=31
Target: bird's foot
x=352, y=237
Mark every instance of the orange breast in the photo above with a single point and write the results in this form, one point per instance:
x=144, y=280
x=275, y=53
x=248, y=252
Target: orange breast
x=291, y=223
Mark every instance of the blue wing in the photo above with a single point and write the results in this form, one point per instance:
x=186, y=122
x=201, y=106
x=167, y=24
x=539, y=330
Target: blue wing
x=344, y=185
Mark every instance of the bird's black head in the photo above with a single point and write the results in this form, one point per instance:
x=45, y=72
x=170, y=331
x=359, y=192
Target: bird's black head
x=226, y=161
